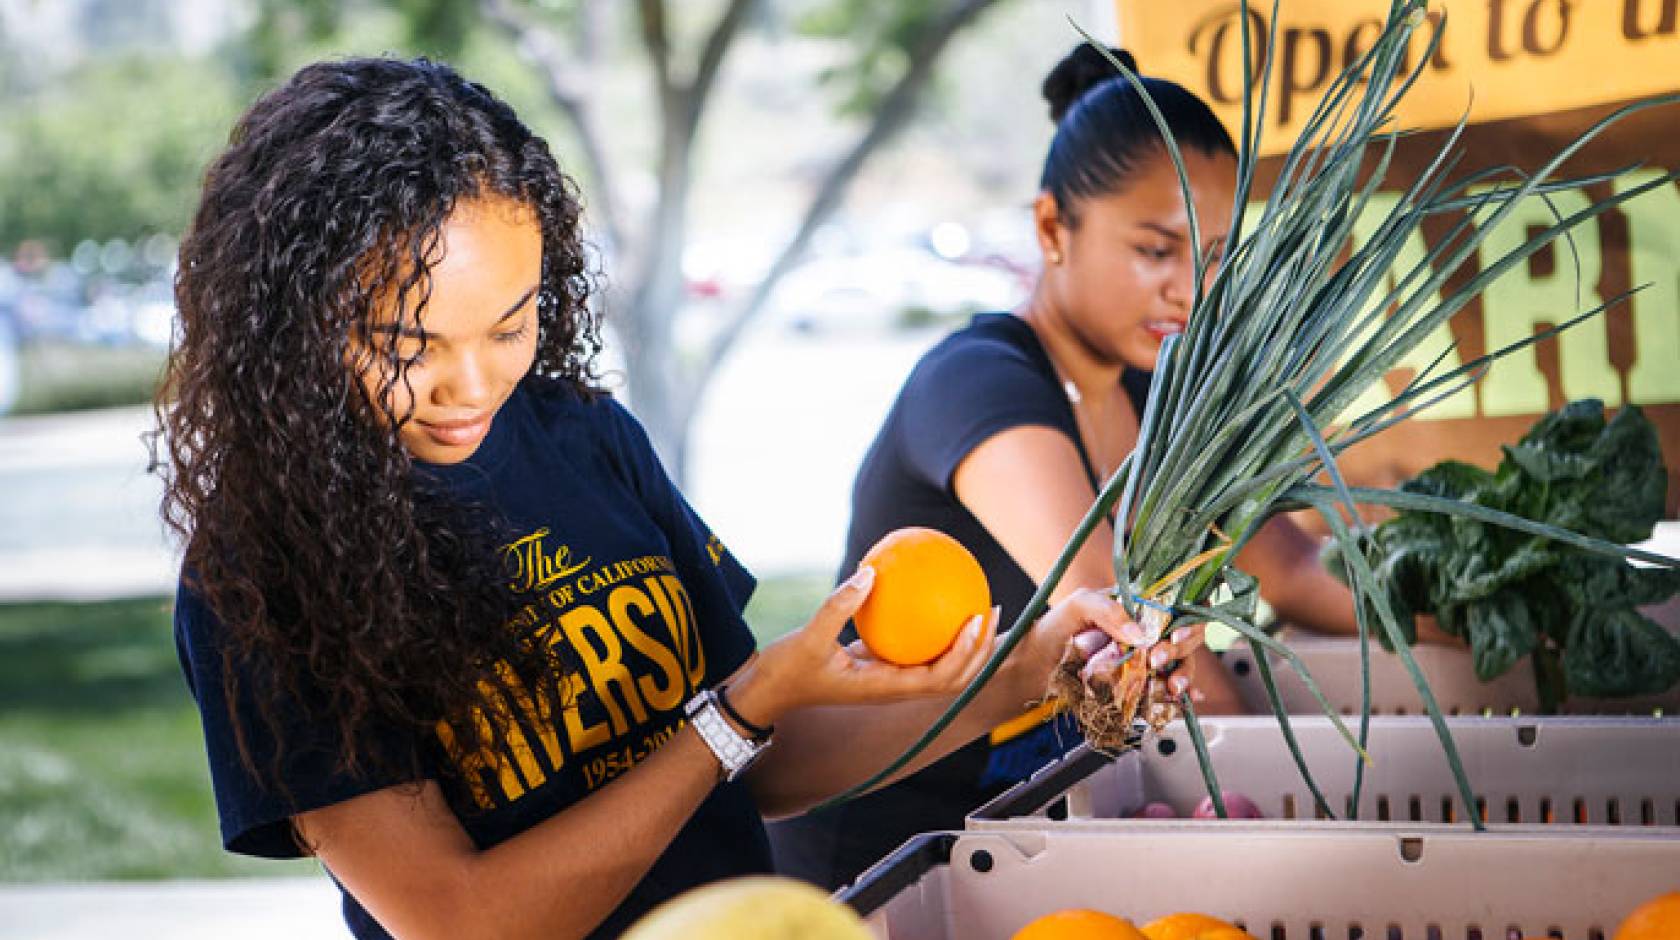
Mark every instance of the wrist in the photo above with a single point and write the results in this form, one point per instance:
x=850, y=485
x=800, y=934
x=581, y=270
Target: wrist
x=753, y=698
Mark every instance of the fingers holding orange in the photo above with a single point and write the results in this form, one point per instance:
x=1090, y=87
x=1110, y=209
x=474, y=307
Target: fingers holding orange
x=927, y=587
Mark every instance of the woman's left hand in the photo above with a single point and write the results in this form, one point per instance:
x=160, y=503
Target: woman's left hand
x=1095, y=624
x=809, y=667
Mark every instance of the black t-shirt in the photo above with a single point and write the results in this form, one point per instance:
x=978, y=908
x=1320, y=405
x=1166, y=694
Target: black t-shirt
x=608, y=559
x=991, y=376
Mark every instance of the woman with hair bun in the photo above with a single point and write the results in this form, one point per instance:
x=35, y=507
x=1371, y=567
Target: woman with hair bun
x=1005, y=431
x=451, y=629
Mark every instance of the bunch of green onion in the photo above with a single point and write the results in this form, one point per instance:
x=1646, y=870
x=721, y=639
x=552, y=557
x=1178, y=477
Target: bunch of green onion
x=1248, y=406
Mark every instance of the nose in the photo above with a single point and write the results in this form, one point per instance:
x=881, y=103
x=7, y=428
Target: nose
x=467, y=383
x=1179, y=288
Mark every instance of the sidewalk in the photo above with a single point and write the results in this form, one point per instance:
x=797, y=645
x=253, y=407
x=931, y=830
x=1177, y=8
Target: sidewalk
x=251, y=909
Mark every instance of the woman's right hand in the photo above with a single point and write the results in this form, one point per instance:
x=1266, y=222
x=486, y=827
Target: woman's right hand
x=811, y=667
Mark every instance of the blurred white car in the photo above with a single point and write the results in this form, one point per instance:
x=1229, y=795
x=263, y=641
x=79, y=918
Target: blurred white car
x=883, y=290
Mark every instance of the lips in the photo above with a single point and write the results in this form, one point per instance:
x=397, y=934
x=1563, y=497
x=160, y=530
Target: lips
x=1161, y=329
x=458, y=432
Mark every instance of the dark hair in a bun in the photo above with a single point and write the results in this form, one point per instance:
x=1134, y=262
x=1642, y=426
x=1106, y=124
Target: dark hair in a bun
x=1078, y=72
x=1104, y=128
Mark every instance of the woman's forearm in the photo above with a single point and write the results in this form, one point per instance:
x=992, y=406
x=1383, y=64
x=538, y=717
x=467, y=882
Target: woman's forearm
x=819, y=752
x=409, y=862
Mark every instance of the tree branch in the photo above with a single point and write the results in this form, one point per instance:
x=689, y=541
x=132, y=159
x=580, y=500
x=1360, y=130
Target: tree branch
x=710, y=62
x=568, y=87
x=895, y=110
x=656, y=37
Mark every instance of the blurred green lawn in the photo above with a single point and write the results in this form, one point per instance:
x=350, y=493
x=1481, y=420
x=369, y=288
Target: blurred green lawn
x=102, y=769
x=55, y=377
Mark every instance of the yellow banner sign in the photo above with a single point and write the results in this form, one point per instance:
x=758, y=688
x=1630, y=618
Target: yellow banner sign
x=1543, y=72
x=1496, y=59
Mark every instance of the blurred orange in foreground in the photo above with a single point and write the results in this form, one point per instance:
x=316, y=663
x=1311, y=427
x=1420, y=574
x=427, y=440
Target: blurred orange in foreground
x=1078, y=924
x=1192, y=927
x=1656, y=919
x=927, y=586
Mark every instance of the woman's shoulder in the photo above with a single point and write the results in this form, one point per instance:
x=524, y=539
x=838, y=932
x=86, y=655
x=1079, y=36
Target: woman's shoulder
x=589, y=419
x=560, y=404
x=992, y=348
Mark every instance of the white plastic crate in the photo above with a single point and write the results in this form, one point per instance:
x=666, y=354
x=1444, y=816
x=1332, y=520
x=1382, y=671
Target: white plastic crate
x=1277, y=882
x=1334, y=664
x=1594, y=771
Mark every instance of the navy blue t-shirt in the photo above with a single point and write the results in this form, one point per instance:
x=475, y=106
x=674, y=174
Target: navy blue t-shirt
x=986, y=378
x=606, y=558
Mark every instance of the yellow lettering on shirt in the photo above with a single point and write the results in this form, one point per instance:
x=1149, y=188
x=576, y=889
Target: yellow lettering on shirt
x=660, y=696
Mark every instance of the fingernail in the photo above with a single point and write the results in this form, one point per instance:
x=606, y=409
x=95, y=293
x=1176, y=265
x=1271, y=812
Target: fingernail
x=1197, y=695
x=1178, y=684
x=862, y=580
x=1133, y=634
x=1157, y=658
x=1180, y=635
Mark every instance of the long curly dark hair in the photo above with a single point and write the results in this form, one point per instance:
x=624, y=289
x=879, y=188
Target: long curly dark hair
x=345, y=584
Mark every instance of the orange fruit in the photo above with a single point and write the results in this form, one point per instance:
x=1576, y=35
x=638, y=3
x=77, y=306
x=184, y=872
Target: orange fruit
x=1078, y=924
x=1656, y=919
x=1192, y=927
x=927, y=586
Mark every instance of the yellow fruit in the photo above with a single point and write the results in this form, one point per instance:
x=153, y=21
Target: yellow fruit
x=754, y=908
x=1192, y=927
x=1656, y=919
x=927, y=586
x=1078, y=924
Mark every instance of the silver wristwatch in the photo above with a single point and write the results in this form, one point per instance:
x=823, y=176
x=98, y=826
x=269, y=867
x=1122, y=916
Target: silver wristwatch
x=734, y=753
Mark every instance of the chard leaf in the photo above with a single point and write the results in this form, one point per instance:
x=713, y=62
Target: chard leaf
x=1502, y=631
x=1507, y=591
x=1619, y=652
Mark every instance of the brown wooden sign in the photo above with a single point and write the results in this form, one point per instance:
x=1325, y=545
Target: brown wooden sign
x=1532, y=76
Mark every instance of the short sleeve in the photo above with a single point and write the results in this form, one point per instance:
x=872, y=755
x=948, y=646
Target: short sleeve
x=718, y=583
x=964, y=394
x=255, y=806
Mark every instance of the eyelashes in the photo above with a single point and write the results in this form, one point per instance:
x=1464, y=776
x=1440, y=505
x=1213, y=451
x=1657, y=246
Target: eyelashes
x=514, y=336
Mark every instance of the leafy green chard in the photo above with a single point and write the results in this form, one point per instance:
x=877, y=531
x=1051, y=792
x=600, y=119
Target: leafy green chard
x=1513, y=595
x=1249, y=404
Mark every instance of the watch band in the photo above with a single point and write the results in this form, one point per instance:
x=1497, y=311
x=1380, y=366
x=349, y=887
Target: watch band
x=760, y=734
x=733, y=752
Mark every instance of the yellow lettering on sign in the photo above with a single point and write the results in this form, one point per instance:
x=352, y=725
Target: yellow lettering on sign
x=1513, y=305
x=1523, y=57
x=1653, y=236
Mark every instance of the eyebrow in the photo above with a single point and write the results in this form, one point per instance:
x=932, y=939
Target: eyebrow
x=412, y=333
x=1161, y=230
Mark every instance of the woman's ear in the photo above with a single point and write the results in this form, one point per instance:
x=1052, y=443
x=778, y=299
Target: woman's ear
x=1047, y=224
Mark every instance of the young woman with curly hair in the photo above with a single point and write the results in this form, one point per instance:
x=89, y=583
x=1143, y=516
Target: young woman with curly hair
x=451, y=629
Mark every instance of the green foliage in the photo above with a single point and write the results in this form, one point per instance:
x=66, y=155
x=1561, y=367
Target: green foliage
x=883, y=35
x=102, y=767
x=438, y=27
x=1512, y=594
x=115, y=149
x=783, y=604
x=282, y=26
x=58, y=377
